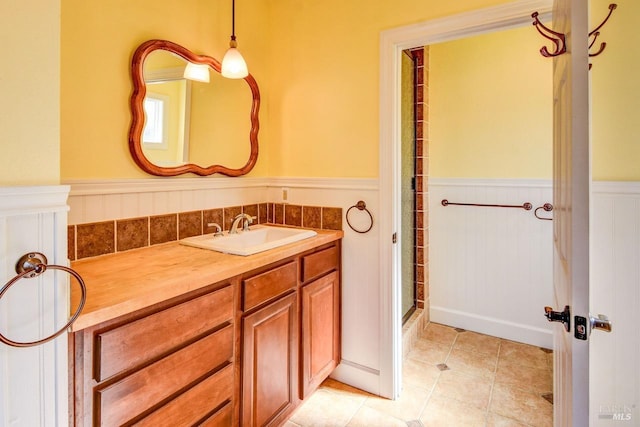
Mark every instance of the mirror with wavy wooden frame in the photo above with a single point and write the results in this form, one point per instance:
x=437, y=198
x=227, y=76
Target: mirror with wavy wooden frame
x=202, y=144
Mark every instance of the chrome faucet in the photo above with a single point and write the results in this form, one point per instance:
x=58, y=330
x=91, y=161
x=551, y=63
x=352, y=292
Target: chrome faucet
x=243, y=218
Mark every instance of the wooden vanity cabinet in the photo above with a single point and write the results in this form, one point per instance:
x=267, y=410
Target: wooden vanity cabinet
x=242, y=352
x=290, y=334
x=168, y=365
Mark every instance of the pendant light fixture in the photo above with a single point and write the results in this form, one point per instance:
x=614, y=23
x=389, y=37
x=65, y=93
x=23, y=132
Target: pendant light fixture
x=233, y=64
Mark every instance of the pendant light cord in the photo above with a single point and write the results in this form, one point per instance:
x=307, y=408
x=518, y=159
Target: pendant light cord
x=233, y=19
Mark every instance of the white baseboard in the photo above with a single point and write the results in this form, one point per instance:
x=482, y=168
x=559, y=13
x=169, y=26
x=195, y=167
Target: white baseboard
x=494, y=327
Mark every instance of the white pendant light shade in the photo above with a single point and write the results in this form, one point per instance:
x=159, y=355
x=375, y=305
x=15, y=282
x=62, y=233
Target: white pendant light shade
x=197, y=72
x=233, y=65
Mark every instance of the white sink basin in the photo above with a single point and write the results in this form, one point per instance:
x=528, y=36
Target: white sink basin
x=258, y=239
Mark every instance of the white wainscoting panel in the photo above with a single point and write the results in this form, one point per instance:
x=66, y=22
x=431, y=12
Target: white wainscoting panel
x=615, y=291
x=93, y=201
x=490, y=269
x=360, y=266
x=34, y=385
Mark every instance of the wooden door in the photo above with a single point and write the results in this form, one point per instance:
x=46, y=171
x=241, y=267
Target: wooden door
x=270, y=363
x=320, y=331
x=571, y=176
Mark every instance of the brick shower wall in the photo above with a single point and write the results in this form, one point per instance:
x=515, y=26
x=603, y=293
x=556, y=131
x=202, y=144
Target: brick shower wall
x=421, y=56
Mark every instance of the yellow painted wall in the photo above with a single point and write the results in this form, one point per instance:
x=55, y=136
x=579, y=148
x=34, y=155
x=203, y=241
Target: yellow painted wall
x=29, y=92
x=491, y=107
x=98, y=40
x=615, y=98
x=317, y=64
x=495, y=121
x=324, y=89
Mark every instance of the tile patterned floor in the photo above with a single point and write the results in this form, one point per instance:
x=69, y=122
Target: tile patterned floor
x=451, y=378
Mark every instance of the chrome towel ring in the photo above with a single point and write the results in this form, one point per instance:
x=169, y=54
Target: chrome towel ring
x=362, y=206
x=32, y=265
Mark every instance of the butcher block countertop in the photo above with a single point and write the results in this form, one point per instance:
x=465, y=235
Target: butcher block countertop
x=121, y=283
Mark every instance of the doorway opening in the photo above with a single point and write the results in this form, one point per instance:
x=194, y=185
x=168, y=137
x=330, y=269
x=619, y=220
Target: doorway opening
x=393, y=43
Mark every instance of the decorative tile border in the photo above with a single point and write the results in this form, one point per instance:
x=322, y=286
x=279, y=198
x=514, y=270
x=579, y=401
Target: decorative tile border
x=106, y=237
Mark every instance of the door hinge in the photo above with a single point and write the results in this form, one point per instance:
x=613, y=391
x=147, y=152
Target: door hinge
x=394, y=238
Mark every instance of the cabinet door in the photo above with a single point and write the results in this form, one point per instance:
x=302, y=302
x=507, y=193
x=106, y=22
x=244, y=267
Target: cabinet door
x=320, y=331
x=270, y=363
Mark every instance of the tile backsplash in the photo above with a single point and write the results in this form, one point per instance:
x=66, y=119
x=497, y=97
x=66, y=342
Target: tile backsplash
x=106, y=237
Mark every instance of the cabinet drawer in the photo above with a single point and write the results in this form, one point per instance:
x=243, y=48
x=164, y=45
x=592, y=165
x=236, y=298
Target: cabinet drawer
x=222, y=418
x=268, y=285
x=319, y=263
x=194, y=404
x=136, y=342
x=122, y=401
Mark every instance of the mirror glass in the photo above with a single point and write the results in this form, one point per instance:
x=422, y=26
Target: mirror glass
x=182, y=125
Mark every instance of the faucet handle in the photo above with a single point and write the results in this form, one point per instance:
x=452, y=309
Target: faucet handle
x=218, y=231
x=249, y=221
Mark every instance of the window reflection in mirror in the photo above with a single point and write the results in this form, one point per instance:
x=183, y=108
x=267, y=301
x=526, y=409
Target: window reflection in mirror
x=159, y=130
x=165, y=136
x=155, y=129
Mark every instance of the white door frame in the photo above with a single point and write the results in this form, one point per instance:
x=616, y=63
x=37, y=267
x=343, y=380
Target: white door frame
x=392, y=42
